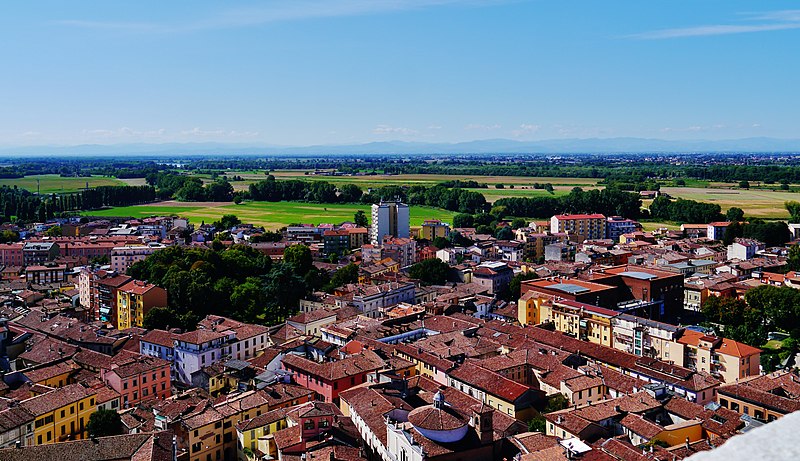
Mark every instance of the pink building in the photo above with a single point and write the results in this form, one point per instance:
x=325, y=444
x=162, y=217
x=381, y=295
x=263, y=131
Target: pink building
x=328, y=379
x=137, y=377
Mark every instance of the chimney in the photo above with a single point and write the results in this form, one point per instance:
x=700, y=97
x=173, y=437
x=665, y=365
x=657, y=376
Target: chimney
x=687, y=443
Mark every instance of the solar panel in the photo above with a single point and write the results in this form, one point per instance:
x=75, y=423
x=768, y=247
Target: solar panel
x=569, y=288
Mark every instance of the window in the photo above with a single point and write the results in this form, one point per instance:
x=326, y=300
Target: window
x=308, y=425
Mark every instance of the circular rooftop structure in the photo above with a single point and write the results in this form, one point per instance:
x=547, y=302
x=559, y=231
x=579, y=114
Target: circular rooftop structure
x=439, y=422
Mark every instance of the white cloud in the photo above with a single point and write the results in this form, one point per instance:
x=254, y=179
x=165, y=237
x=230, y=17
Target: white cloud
x=275, y=11
x=526, y=128
x=386, y=129
x=768, y=21
x=481, y=127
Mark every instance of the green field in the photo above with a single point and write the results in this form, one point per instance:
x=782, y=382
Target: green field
x=53, y=183
x=365, y=182
x=754, y=202
x=271, y=215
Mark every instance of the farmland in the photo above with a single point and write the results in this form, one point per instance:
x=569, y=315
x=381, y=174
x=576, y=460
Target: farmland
x=53, y=183
x=271, y=215
x=755, y=202
x=524, y=183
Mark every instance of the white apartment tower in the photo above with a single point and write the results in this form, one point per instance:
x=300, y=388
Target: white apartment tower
x=389, y=218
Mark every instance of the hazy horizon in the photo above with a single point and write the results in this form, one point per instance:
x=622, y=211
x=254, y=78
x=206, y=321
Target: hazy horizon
x=348, y=72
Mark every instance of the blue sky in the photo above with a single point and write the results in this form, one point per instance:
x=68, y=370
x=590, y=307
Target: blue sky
x=303, y=72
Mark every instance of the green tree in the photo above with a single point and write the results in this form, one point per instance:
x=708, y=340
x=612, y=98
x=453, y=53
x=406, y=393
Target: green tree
x=299, y=257
x=734, y=214
x=441, y=242
x=504, y=233
x=227, y=221
x=793, y=259
x=430, y=271
x=793, y=207
x=360, y=219
x=464, y=220
x=744, y=185
x=350, y=193
x=248, y=299
x=345, y=275
x=9, y=236
x=160, y=318
x=104, y=423
x=54, y=231
x=518, y=223
x=515, y=287
x=283, y=290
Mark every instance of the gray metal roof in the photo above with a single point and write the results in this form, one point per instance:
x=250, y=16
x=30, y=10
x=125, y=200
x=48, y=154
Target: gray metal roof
x=639, y=275
x=569, y=288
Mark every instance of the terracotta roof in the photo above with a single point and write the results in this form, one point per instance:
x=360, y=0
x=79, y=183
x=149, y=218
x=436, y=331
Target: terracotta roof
x=199, y=336
x=57, y=398
x=489, y=381
x=437, y=419
x=135, y=447
x=726, y=346
x=640, y=426
x=160, y=337
x=353, y=365
x=262, y=419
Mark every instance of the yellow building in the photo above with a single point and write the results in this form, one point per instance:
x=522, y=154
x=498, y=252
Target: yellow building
x=533, y=308
x=211, y=434
x=134, y=300
x=253, y=433
x=61, y=414
x=432, y=228
x=583, y=321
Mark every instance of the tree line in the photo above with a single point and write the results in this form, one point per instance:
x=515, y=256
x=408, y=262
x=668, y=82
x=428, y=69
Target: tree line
x=22, y=205
x=236, y=281
x=609, y=201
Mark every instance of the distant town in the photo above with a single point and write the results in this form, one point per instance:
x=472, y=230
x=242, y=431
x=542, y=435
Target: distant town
x=578, y=337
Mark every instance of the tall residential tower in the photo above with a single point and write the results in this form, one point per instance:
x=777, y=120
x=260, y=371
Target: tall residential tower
x=389, y=218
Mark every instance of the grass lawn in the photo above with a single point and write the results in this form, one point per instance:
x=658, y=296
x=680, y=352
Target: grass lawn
x=648, y=226
x=754, y=202
x=271, y=215
x=53, y=183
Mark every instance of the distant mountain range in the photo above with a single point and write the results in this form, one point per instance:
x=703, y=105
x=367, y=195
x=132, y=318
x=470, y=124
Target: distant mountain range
x=486, y=146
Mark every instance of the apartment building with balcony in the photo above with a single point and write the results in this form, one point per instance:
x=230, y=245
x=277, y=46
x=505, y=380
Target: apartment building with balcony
x=134, y=300
x=582, y=226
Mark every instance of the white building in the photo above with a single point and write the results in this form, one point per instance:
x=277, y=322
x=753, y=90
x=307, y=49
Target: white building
x=389, y=218
x=125, y=256
x=371, y=300
x=744, y=249
x=197, y=349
